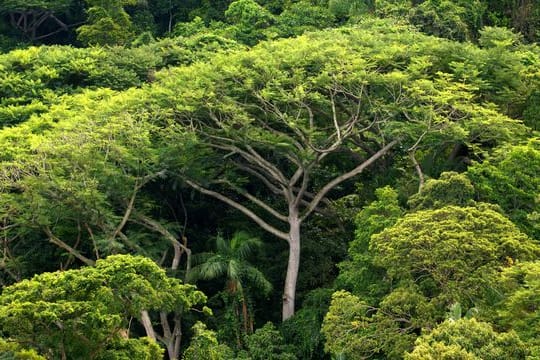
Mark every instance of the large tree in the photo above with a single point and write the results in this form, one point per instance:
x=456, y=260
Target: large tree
x=87, y=313
x=276, y=136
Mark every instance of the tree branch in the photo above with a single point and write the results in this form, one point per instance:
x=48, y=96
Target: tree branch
x=255, y=201
x=53, y=239
x=250, y=214
x=147, y=324
x=421, y=179
x=336, y=181
x=177, y=245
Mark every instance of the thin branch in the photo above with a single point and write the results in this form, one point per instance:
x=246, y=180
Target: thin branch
x=127, y=213
x=53, y=239
x=255, y=200
x=177, y=245
x=273, y=188
x=336, y=181
x=250, y=214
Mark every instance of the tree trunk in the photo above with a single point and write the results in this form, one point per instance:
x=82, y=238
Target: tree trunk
x=147, y=324
x=289, y=292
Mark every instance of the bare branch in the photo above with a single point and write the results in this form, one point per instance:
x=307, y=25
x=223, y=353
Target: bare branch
x=53, y=239
x=336, y=181
x=255, y=200
x=127, y=213
x=147, y=324
x=177, y=245
x=250, y=214
x=259, y=176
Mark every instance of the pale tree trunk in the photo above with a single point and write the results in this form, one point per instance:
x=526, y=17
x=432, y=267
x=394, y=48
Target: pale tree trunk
x=293, y=265
x=147, y=324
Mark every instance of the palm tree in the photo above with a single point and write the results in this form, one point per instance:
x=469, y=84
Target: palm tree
x=230, y=261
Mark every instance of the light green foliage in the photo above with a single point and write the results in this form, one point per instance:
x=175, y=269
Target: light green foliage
x=345, y=324
x=358, y=273
x=73, y=180
x=204, y=345
x=519, y=310
x=10, y=350
x=450, y=188
x=267, y=344
x=510, y=179
x=191, y=28
x=498, y=37
x=452, y=253
x=34, y=78
x=467, y=339
x=431, y=260
x=82, y=313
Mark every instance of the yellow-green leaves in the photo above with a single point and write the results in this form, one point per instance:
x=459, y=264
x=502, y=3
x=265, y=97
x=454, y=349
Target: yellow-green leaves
x=83, y=313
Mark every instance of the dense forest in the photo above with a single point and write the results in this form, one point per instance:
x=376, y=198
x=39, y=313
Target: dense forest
x=270, y=179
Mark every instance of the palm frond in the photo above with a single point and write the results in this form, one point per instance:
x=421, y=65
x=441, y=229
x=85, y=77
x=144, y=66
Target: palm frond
x=223, y=246
x=213, y=268
x=243, y=244
x=257, y=279
x=233, y=270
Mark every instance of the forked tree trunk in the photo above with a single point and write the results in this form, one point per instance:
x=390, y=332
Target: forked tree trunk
x=293, y=265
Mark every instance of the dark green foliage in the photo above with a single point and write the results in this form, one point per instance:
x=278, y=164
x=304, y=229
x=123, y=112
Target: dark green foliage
x=303, y=330
x=358, y=274
x=457, y=20
x=301, y=17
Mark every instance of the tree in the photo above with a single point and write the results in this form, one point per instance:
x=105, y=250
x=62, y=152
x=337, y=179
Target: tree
x=108, y=23
x=13, y=351
x=204, y=345
x=431, y=260
x=231, y=261
x=283, y=123
x=86, y=313
x=450, y=188
x=358, y=273
x=267, y=344
x=453, y=253
x=466, y=339
x=248, y=19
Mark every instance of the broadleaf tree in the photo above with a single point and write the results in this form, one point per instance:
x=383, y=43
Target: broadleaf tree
x=268, y=132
